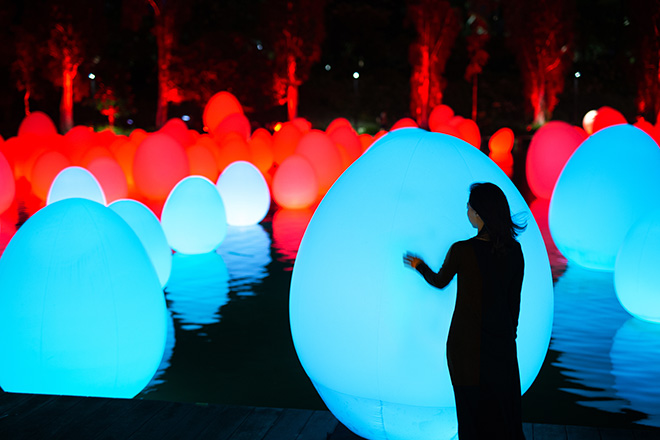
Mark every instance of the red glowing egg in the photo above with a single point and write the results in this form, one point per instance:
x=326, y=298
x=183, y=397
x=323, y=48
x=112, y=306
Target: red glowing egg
x=77, y=141
x=285, y=141
x=295, y=185
x=233, y=150
x=366, y=140
x=648, y=128
x=447, y=129
x=178, y=130
x=220, y=106
x=303, y=124
x=111, y=177
x=380, y=134
x=116, y=145
x=202, y=162
x=44, y=171
x=235, y=123
x=261, y=150
x=138, y=135
x=211, y=145
x=105, y=137
x=551, y=147
x=95, y=153
x=404, y=123
x=125, y=155
x=7, y=184
x=322, y=153
x=336, y=123
x=440, y=116
x=345, y=158
x=347, y=137
x=469, y=132
x=37, y=123
x=501, y=141
x=33, y=146
x=606, y=117
x=160, y=163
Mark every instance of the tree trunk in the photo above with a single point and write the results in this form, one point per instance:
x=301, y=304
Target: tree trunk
x=26, y=102
x=424, y=88
x=474, y=97
x=292, y=89
x=66, y=104
x=163, y=73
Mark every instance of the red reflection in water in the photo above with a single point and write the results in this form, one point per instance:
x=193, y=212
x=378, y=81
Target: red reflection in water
x=288, y=229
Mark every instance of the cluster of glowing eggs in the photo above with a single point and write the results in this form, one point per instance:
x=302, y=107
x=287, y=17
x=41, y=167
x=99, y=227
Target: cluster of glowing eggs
x=193, y=218
x=47, y=166
x=220, y=106
x=323, y=155
x=148, y=229
x=285, y=141
x=82, y=311
x=295, y=185
x=75, y=182
x=636, y=275
x=245, y=194
x=7, y=184
x=548, y=152
x=604, y=188
x=371, y=335
x=160, y=162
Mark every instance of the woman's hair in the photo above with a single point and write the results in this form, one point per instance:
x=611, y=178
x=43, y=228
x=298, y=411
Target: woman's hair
x=489, y=201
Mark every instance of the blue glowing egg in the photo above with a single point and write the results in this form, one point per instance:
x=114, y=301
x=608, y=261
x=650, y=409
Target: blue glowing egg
x=370, y=333
x=75, y=182
x=606, y=185
x=245, y=194
x=147, y=227
x=193, y=217
x=636, y=274
x=81, y=308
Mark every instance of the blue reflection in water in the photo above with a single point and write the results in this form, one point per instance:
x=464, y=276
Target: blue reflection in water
x=246, y=251
x=635, y=357
x=197, y=288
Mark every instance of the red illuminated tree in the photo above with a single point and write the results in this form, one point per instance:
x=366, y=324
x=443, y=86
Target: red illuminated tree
x=540, y=33
x=645, y=15
x=25, y=65
x=437, y=25
x=297, y=30
x=477, y=37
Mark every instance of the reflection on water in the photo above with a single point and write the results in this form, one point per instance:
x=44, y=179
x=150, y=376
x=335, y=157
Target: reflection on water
x=288, y=229
x=167, y=355
x=197, y=288
x=246, y=252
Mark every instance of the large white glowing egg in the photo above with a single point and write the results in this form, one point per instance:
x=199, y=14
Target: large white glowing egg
x=604, y=188
x=75, y=182
x=147, y=227
x=370, y=333
x=245, y=194
x=636, y=274
x=193, y=217
x=81, y=308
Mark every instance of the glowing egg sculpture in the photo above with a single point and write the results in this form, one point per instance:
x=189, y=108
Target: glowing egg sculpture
x=245, y=194
x=46, y=167
x=295, y=184
x=500, y=146
x=221, y=105
x=38, y=123
x=146, y=226
x=261, y=150
x=606, y=117
x=548, y=152
x=285, y=141
x=82, y=312
x=636, y=275
x=75, y=182
x=324, y=157
x=371, y=336
x=110, y=176
x=193, y=217
x=7, y=185
x=604, y=188
x=159, y=163
x=440, y=116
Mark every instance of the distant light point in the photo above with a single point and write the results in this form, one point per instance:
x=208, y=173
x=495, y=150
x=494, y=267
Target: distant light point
x=356, y=75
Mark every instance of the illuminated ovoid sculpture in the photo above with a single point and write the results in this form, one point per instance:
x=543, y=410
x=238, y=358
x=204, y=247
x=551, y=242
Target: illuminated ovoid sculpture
x=285, y=141
x=233, y=149
x=45, y=169
x=470, y=133
x=636, y=274
x=159, y=163
x=605, y=186
x=548, y=152
x=245, y=194
x=81, y=309
x=366, y=140
x=337, y=123
x=347, y=137
x=372, y=335
x=198, y=287
x=404, y=123
x=178, y=130
x=7, y=185
x=110, y=176
x=75, y=182
x=77, y=141
x=500, y=145
x=440, y=115
x=324, y=157
x=202, y=161
x=234, y=123
x=606, y=117
x=295, y=184
x=221, y=105
x=38, y=123
x=246, y=252
x=193, y=218
x=261, y=149
x=146, y=226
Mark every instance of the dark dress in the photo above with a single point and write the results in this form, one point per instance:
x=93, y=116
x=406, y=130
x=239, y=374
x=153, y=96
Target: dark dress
x=481, y=346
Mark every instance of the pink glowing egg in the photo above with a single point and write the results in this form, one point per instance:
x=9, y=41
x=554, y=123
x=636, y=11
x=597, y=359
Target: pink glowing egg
x=110, y=176
x=295, y=185
x=347, y=137
x=606, y=117
x=285, y=141
x=235, y=123
x=220, y=106
x=7, y=185
x=44, y=171
x=303, y=124
x=336, y=123
x=202, y=162
x=404, y=123
x=37, y=123
x=177, y=129
x=551, y=147
x=366, y=140
x=261, y=150
x=233, y=150
x=440, y=116
x=160, y=163
x=324, y=156
x=501, y=141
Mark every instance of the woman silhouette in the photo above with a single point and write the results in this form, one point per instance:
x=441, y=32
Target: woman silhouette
x=481, y=346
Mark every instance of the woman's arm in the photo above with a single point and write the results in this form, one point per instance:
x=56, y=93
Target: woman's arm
x=442, y=277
